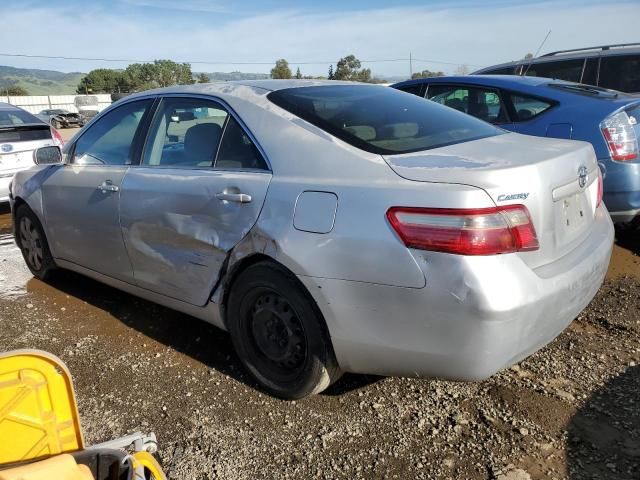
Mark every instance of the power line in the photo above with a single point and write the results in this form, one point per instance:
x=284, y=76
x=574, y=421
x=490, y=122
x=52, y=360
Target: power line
x=203, y=62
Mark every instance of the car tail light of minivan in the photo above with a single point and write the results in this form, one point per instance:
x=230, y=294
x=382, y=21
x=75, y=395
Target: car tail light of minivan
x=482, y=231
x=620, y=136
x=57, y=138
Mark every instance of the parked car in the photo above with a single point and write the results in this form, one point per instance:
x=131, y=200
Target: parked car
x=60, y=118
x=328, y=226
x=548, y=108
x=616, y=67
x=21, y=133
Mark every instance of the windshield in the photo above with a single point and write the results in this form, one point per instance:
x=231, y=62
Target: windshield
x=380, y=119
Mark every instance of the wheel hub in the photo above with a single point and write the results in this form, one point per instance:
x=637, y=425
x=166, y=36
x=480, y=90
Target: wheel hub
x=277, y=332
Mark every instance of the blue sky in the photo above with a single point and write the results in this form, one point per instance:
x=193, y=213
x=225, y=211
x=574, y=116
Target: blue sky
x=454, y=32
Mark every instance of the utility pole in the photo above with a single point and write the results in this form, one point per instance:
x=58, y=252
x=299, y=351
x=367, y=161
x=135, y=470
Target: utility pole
x=410, y=66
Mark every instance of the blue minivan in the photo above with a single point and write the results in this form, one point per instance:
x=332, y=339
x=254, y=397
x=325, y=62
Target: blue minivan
x=608, y=119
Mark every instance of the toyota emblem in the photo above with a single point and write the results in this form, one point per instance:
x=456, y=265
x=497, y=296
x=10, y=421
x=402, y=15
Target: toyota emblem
x=583, y=175
x=6, y=148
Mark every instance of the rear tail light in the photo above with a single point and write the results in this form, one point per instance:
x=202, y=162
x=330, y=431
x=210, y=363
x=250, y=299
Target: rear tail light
x=620, y=136
x=483, y=231
x=57, y=138
x=600, y=188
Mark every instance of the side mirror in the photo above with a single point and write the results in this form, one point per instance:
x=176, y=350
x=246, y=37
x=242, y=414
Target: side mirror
x=47, y=155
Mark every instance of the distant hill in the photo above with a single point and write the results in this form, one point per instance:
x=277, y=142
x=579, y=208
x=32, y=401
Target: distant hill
x=40, y=82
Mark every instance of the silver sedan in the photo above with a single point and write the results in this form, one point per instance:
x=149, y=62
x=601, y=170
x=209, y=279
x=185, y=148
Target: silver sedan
x=328, y=226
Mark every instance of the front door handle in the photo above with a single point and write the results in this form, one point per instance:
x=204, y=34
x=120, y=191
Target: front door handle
x=234, y=197
x=108, y=186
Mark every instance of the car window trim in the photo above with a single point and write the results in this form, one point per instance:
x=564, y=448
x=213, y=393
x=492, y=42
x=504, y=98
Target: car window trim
x=496, y=90
x=72, y=148
x=230, y=113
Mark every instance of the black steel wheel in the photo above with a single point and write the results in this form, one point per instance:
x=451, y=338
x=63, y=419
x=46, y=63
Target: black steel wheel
x=33, y=244
x=278, y=332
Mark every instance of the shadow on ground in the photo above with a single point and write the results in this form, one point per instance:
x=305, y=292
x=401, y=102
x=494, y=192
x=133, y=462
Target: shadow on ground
x=604, y=435
x=188, y=335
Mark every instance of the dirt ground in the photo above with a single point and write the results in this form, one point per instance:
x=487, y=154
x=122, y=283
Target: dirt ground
x=571, y=411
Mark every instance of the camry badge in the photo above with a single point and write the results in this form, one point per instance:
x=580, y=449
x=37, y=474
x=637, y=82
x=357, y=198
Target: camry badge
x=6, y=148
x=582, y=176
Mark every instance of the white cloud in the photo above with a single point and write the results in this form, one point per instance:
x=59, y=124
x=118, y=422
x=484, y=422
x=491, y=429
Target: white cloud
x=471, y=35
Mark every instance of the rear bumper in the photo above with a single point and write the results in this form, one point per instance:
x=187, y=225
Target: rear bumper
x=476, y=315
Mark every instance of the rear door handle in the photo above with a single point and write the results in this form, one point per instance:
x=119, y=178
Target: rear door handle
x=108, y=186
x=234, y=197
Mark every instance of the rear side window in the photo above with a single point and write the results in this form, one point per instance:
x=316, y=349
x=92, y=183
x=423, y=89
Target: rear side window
x=570, y=70
x=381, y=120
x=620, y=72
x=525, y=107
x=237, y=151
x=482, y=103
x=185, y=133
x=109, y=140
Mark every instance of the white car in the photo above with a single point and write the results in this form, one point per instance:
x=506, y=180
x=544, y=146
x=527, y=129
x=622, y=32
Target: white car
x=20, y=134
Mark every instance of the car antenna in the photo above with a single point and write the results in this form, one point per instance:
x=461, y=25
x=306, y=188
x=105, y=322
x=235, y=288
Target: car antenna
x=537, y=52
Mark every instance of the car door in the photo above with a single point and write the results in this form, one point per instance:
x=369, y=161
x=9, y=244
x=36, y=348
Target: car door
x=81, y=197
x=197, y=192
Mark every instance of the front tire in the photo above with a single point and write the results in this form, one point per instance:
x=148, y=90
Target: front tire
x=33, y=244
x=279, y=333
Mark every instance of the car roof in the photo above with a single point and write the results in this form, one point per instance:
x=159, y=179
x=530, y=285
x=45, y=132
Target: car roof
x=589, y=52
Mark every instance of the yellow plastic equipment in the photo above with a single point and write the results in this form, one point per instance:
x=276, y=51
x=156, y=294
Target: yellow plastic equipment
x=40, y=433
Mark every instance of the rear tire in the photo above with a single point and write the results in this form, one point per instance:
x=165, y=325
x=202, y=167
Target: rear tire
x=279, y=333
x=33, y=244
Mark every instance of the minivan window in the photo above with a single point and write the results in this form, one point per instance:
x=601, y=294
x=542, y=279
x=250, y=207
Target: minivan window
x=570, y=70
x=620, y=72
x=109, y=141
x=381, y=120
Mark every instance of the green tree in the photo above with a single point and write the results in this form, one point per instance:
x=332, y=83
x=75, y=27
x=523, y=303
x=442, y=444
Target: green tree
x=14, y=91
x=348, y=68
x=281, y=70
x=528, y=56
x=427, y=74
x=298, y=74
x=102, y=80
x=330, y=76
x=202, y=78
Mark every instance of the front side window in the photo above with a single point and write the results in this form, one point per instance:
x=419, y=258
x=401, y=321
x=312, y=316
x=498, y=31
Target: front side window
x=109, y=141
x=620, y=72
x=526, y=107
x=482, y=103
x=380, y=120
x=570, y=70
x=186, y=133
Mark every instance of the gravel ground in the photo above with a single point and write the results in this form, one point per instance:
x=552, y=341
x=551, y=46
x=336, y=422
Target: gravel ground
x=571, y=411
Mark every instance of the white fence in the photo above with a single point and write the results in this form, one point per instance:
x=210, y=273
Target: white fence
x=37, y=103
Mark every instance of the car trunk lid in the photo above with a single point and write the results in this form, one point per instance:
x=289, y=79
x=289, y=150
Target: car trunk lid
x=17, y=143
x=555, y=179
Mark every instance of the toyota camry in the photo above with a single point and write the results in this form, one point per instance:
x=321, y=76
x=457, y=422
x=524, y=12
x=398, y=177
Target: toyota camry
x=329, y=226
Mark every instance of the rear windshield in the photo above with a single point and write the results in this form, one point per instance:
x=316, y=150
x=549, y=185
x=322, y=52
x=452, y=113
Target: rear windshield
x=381, y=120
x=24, y=133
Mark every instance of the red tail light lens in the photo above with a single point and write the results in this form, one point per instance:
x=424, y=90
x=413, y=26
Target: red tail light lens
x=620, y=136
x=600, y=188
x=483, y=231
x=57, y=138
